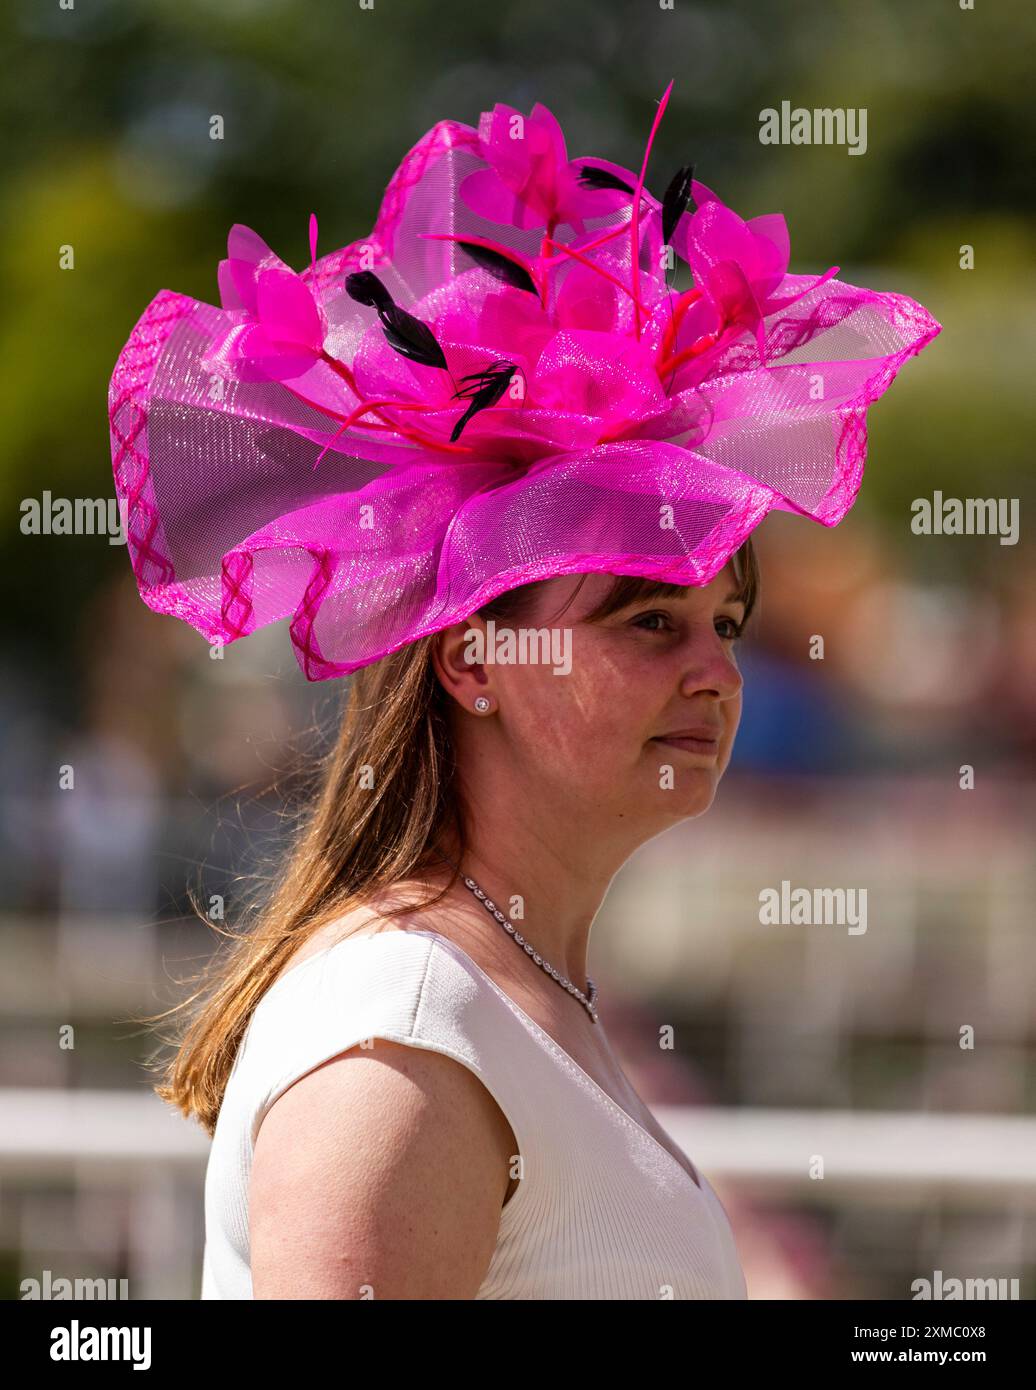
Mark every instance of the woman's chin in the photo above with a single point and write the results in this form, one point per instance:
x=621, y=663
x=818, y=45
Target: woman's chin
x=692, y=792
x=665, y=815
x=692, y=806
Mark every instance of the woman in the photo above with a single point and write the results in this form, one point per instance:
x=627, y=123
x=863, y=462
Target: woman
x=404, y=1065
x=540, y=798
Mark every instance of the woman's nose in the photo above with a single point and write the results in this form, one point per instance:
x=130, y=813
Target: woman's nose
x=712, y=669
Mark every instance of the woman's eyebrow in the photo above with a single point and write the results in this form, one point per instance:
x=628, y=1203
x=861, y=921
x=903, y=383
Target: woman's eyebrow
x=734, y=596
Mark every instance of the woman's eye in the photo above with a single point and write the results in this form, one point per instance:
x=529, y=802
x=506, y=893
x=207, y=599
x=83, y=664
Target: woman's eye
x=734, y=629
x=645, y=620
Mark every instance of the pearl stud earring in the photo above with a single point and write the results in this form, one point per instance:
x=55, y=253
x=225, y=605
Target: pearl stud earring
x=482, y=704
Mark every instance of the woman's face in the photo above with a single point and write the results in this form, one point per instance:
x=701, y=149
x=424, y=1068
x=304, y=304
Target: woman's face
x=642, y=726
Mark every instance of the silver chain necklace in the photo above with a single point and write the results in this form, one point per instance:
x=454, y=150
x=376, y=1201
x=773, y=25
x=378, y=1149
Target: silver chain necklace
x=589, y=1004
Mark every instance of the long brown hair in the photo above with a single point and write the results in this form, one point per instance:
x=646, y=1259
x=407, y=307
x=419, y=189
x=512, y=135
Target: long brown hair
x=359, y=835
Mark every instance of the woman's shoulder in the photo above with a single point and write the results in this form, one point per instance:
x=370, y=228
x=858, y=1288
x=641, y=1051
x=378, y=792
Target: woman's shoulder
x=371, y=1144
x=385, y=1108
x=417, y=977
x=370, y=919
x=400, y=1132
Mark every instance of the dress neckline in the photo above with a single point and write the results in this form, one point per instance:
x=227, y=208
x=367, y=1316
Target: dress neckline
x=543, y=1035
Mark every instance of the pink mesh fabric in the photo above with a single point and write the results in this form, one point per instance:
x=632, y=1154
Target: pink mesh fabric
x=651, y=433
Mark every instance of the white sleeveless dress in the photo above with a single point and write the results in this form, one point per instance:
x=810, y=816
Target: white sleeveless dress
x=602, y=1210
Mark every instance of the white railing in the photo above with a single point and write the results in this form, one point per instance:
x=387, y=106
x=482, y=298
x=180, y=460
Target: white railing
x=981, y=1160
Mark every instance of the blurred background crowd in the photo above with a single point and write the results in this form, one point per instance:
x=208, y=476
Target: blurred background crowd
x=847, y=769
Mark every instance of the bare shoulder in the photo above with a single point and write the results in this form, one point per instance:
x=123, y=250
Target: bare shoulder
x=380, y=1173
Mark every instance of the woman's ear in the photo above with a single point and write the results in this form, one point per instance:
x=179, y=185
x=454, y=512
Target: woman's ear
x=459, y=659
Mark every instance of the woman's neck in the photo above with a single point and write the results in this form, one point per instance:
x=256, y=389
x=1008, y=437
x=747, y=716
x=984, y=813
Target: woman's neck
x=551, y=891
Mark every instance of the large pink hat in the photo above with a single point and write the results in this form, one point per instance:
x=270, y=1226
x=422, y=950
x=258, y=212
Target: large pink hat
x=498, y=385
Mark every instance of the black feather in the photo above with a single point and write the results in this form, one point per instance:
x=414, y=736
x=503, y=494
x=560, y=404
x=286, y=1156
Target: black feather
x=495, y=371
x=485, y=389
x=365, y=287
x=501, y=266
x=411, y=337
x=676, y=201
x=590, y=176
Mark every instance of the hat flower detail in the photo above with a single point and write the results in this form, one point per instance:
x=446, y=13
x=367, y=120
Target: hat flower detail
x=530, y=182
x=501, y=383
x=276, y=326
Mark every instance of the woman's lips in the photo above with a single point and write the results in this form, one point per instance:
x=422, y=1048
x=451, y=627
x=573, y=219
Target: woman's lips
x=692, y=743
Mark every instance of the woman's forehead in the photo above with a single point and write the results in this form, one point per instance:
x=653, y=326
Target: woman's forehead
x=576, y=596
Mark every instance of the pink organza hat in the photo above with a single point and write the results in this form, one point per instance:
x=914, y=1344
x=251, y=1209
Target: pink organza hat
x=500, y=384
